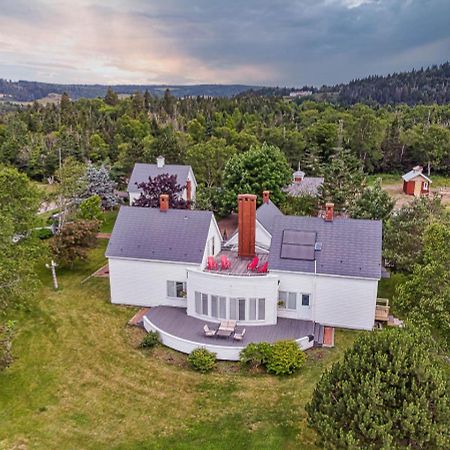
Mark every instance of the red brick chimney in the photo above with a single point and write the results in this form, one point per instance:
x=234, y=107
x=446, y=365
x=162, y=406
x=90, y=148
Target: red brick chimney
x=163, y=202
x=329, y=212
x=247, y=225
x=266, y=196
x=188, y=192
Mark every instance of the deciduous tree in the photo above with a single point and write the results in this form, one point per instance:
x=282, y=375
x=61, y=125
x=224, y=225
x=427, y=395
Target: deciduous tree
x=73, y=241
x=161, y=184
x=425, y=297
x=261, y=168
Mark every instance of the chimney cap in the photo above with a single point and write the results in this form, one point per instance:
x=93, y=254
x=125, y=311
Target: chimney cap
x=266, y=196
x=160, y=161
x=246, y=196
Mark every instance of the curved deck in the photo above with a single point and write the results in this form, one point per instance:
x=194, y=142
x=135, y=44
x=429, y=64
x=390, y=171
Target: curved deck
x=181, y=332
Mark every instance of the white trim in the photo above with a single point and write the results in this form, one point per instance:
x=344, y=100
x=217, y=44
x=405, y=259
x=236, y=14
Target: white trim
x=322, y=274
x=154, y=260
x=227, y=353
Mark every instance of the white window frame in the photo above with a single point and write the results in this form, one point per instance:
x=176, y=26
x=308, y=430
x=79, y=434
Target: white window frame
x=171, y=287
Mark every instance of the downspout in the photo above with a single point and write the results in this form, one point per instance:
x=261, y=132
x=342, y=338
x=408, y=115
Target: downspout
x=314, y=292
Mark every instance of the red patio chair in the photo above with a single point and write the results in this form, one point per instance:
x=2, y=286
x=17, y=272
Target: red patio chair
x=263, y=268
x=225, y=263
x=253, y=264
x=212, y=265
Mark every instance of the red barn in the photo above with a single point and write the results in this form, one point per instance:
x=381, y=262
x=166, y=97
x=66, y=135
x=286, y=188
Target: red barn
x=416, y=183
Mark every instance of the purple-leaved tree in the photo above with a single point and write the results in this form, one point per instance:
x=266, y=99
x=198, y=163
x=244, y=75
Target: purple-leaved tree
x=161, y=184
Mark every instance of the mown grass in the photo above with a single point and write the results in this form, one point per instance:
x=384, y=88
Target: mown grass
x=388, y=179
x=79, y=381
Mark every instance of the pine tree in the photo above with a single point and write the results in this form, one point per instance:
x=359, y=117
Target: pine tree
x=387, y=393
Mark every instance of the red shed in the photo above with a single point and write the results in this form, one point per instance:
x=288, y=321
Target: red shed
x=416, y=183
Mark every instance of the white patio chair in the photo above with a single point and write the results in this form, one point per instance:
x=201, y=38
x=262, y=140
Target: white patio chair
x=239, y=336
x=208, y=332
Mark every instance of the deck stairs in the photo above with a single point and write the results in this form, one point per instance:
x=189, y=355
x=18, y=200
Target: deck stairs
x=318, y=334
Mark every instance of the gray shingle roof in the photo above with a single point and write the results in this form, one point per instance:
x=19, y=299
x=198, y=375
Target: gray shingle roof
x=266, y=214
x=177, y=235
x=308, y=186
x=350, y=247
x=141, y=172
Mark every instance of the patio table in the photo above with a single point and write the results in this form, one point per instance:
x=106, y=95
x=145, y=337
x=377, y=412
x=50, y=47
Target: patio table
x=224, y=332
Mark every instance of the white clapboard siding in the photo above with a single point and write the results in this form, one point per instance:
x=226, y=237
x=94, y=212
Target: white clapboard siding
x=144, y=283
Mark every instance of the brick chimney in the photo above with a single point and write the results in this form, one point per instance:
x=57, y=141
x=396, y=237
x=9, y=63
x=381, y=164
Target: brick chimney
x=329, y=212
x=188, y=192
x=163, y=202
x=266, y=196
x=246, y=225
x=160, y=162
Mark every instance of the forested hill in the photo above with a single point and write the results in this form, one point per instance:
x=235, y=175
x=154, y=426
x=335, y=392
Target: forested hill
x=26, y=91
x=424, y=86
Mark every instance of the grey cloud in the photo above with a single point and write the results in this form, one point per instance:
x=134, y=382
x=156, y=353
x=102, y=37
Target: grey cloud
x=302, y=41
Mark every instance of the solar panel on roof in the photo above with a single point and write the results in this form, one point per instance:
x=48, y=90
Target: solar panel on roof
x=291, y=251
x=299, y=237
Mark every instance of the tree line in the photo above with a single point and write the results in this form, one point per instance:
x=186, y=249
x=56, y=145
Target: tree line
x=119, y=133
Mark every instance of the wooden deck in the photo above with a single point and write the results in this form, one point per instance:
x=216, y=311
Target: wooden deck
x=239, y=265
x=176, y=322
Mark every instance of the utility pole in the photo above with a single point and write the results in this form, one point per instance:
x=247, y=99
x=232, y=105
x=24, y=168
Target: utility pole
x=52, y=267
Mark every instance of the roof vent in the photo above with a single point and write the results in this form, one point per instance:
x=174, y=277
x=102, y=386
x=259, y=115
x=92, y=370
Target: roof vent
x=318, y=246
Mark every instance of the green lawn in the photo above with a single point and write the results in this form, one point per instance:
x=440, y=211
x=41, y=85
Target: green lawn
x=392, y=178
x=80, y=382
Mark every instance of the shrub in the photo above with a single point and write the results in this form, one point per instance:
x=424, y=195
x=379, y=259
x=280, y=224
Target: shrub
x=255, y=355
x=43, y=233
x=389, y=391
x=285, y=358
x=6, y=335
x=91, y=208
x=202, y=360
x=150, y=340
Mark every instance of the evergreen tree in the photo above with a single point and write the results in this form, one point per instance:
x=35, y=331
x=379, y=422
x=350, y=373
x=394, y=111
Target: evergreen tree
x=374, y=203
x=97, y=181
x=387, y=393
x=344, y=180
x=404, y=231
x=111, y=98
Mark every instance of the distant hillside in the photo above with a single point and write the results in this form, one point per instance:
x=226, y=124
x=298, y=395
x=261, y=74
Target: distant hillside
x=26, y=91
x=424, y=86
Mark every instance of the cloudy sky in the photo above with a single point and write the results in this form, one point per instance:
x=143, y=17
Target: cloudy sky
x=271, y=42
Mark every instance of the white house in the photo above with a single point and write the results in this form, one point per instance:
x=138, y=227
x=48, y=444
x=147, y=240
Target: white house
x=142, y=172
x=308, y=273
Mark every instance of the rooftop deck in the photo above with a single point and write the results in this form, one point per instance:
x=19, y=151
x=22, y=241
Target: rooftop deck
x=184, y=333
x=239, y=265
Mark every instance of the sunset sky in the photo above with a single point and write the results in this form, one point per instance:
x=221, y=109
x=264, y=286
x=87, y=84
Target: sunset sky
x=265, y=42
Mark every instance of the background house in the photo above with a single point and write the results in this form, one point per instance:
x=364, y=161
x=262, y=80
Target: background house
x=416, y=183
x=303, y=185
x=141, y=173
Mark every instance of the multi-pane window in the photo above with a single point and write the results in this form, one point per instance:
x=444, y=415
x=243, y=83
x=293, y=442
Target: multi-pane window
x=288, y=300
x=176, y=289
x=238, y=308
